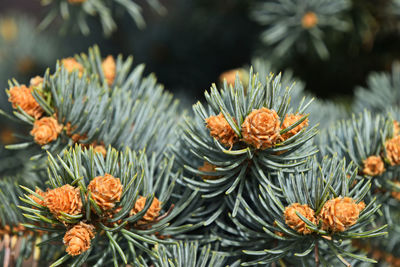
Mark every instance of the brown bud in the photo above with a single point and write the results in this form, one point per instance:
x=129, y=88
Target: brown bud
x=393, y=150
x=106, y=191
x=46, y=130
x=396, y=194
x=291, y=119
x=261, y=128
x=78, y=238
x=100, y=149
x=109, y=69
x=396, y=128
x=36, y=82
x=151, y=214
x=65, y=199
x=339, y=214
x=22, y=96
x=230, y=76
x=221, y=130
x=294, y=221
x=36, y=199
x=76, y=137
x=309, y=20
x=208, y=167
x=70, y=63
x=373, y=166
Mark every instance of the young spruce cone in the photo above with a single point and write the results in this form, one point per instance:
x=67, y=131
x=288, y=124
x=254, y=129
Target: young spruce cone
x=339, y=214
x=106, y=191
x=70, y=63
x=208, y=167
x=294, y=221
x=221, y=130
x=151, y=214
x=22, y=96
x=291, y=119
x=393, y=150
x=46, y=130
x=36, y=199
x=65, y=199
x=261, y=128
x=109, y=67
x=77, y=239
x=373, y=166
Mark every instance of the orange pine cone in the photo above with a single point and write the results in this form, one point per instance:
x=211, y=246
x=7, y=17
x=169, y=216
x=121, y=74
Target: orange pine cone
x=78, y=238
x=396, y=128
x=396, y=194
x=151, y=214
x=65, y=199
x=100, y=149
x=230, y=76
x=221, y=130
x=22, y=96
x=46, y=130
x=373, y=166
x=291, y=119
x=75, y=137
x=36, y=81
x=261, y=128
x=339, y=214
x=294, y=221
x=393, y=150
x=36, y=199
x=70, y=63
x=109, y=69
x=309, y=20
x=106, y=191
x=208, y=167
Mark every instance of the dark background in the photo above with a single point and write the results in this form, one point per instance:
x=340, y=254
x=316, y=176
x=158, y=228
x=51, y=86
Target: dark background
x=197, y=40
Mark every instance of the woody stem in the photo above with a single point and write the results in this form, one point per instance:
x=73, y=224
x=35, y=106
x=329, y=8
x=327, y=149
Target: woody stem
x=316, y=255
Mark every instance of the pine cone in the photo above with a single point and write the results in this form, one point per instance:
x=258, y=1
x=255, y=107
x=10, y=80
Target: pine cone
x=294, y=221
x=291, y=119
x=46, y=130
x=393, y=150
x=36, y=82
x=396, y=194
x=70, y=63
x=208, y=167
x=22, y=97
x=373, y=166
x=339, y=214
x=100, y=149
x=261, y=128
x=106, y=191
x=221, y=130
x=109, y=69
x=36, y=199
x=75, y=137
x=309, y=20
x=230, y=76
x=65, y=199
x=151, y=214
x=78, y=238
x=396, y=128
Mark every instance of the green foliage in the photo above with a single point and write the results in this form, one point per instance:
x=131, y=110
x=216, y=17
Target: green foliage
x=260, y=224
x=382, y=91
x=75, y=13
x=233, y=165
x=132, y=112
x=285, y=30
x=119, y=235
